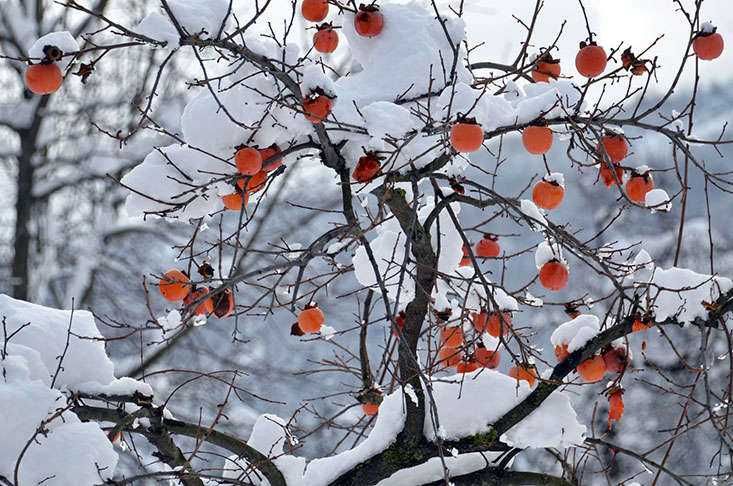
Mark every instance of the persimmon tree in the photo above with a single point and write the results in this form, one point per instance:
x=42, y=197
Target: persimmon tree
x=388, y=107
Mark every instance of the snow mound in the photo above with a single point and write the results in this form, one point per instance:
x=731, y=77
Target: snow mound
x=63, y=40
x=576, y=333
x=681, y=293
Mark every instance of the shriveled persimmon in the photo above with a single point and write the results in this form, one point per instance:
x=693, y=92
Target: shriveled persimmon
x=466, y=135
x=537, y=139
x=367, y=168
x=616, y=359
x=311, y=319
x=223, y=303
x=554, y=275
x=43, y=79
x=708, y=45
x=174, y=286
x=591, y=60
x=317, y=107
x=326, y=39
x=615, y=405
x=248, y=161
x=524, y=372
x=487, y=358
x=314, y=10
x=638, y=186
x=205, y=307
x=548, y=194
x=451, y=336
x=592, y=369
x=487, y=247
x=546, y=68
x=369, y=21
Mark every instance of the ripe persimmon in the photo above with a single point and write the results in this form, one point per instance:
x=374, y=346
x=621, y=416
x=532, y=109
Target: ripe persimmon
x=370, y=409
x=43, y=79
x=267, y=153
x=311, y=319
x=607, y=175
x=325, y=40
x=615, y=146
x=367, y=167
x=449, y=357
x=466, y=259
x=451, y=336
x=546, y=68
x=548, y=194
x=466, y=135
x=554, y=275
x=368, y=21
x=592, y=369
x=317, y=107
x=487, y=247
x=537, y=139
x=467, y=365
x=487, y=358
x=641, y=324
x=314, y=10
x=616, y=360
x=253, y=184
x=205, y=307
x=524, y=372
x=498, y=322
x=638, y=185
x=174, y=286
x=615, y=405
x=234, y=201
x=399, y=323
x=708, y=45
x=248, y=161
x=591, y=60
x=223, y=303
x=561, y=352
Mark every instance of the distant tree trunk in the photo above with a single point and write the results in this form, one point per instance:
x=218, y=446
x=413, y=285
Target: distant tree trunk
x=24, y=205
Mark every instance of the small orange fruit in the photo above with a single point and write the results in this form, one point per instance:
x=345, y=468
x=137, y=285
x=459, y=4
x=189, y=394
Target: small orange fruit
x=638, y=185
x=466, y=136
x=487, y=247
x=43, y=79
x=174, y=285
x=370, y=409
x=615, y=405
x=467, y=365
x=268, y=153
x=607, y=175
x=368, y=21
x=616, y=360
x=234, y=201
x=466, y=260
x=499, y=321
x=708, y=45
x=449, y=357
x=317, y=108
x=641, y=324
x=248, y=161
x=311, y=319
x=546, y=68
x=554, y=275
x=367, y=168
x=524, y=372
x=205, y=307
x=537, y=139
x=615, y=147
x=254, y=184
x=325, y=40
x=314, y=10
x=561, y=352
x=592, y=369
x=487, y=358
x=451, y=336
x=591, y=60
x=548, y=194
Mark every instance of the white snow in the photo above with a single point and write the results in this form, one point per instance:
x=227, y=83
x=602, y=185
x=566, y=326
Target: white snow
x=658, y=200
x=537, y=215
x=577, y=332
x=63, y=40
x=314, y=77
x=556, y=177
x=680, y=293
x=545, y=252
